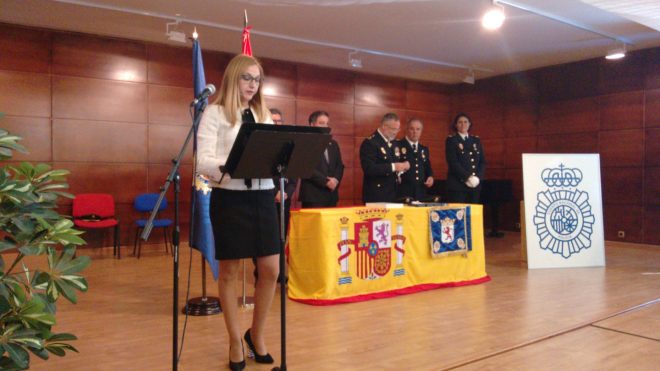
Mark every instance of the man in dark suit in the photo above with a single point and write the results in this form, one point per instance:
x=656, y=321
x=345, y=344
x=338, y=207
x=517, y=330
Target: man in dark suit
x=420, y=176
x=322, y=189
x=466, y=163
x=381, y=162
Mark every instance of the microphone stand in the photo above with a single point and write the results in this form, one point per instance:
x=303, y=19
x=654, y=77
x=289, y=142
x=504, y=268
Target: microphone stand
x=174, y=177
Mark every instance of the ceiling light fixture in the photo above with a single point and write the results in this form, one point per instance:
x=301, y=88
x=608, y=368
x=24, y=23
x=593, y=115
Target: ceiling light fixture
x=617, y=53
x=175, y=35
x=353, y=61
x=494, y=17
x=469, y=78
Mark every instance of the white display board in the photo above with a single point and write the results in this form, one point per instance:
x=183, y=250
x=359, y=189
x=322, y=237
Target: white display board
x=563, y=210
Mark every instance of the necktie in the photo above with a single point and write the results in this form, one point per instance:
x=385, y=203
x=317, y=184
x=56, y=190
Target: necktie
x=414, y=147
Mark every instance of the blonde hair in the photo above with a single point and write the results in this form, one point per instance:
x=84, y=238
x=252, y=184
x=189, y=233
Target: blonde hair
x=230, y=95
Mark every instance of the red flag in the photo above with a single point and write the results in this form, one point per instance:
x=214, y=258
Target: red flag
x=247, y=48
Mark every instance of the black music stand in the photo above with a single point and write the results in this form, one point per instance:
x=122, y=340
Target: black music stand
x=277, y=151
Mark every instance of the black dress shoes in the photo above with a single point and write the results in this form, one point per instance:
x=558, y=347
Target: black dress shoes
x=257, y=357
x=237, y=366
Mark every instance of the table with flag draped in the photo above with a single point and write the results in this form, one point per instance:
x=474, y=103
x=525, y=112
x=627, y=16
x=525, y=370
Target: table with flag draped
x=343, y=255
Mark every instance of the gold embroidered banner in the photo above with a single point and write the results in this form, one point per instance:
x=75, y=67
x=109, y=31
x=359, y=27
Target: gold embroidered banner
x=352, y=254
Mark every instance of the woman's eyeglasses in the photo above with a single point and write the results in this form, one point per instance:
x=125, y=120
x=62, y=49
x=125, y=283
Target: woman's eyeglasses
x=249, y=78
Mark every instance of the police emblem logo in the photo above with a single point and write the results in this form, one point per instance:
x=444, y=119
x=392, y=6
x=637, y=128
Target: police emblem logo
x=460, y=146
x=396, y=152
x=382, y=149
x=404, y=150
x=563, y=219
x=423, y=155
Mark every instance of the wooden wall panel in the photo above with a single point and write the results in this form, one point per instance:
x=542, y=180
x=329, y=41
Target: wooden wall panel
x=325, y=84
x=165, y=142
x=122, y=181
x=280, y=78
x=380, y=91
x=170, y=105
x=627, y=218
x=652, y=147
x=168, y=65
x=622, y=111
x=367, y=119
x=437, y=153
x=622, y=185
x=89, y=56
x=435, y=123
x=24, y=49
x=651, y=230
x=621, y=147
x=288, y=108
x=625, y=74
x=652, y=72
x=357, y=185
x=98, y=141
x=520, y=120
x=214, y=66
x=652, y=108
x=652, y=187
x=25, y=94
x=341, y=115
x=36, y=134
x=425, y=96
x=494, y=152
x=516, y=182
x=157, y=174
x=514, y=148
x=569, y=81
x=568, y=143
x=92, y=99
x=347, y=185
x=571, y=116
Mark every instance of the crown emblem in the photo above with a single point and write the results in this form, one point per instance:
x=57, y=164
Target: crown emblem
x=447, y=222
x=561, y=176
x=343, y=220
x=371, y=213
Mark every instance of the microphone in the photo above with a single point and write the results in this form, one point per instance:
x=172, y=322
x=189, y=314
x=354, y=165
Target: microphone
x=208, y=91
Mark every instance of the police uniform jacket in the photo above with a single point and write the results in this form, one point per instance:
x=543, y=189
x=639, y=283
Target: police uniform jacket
x=376, y=157
x=412, y=181
x=465, y=157
x=314, y=189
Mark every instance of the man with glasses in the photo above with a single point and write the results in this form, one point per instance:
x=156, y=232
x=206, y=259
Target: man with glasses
x=381, y=161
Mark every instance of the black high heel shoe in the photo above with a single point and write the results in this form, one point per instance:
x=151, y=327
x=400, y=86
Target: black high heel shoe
x=253, y=351
x=237, y=366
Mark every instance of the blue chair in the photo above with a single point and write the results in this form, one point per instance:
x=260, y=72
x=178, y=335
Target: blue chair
x=144, y=203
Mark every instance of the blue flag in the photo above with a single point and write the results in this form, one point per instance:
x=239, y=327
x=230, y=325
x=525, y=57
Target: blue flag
x=200, y=227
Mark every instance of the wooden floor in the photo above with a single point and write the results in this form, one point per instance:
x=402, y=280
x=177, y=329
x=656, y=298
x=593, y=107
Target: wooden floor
x=563, y=319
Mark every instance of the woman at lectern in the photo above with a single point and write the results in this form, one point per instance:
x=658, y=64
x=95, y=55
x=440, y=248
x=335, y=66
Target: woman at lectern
x=242, y=211
x=466, y=162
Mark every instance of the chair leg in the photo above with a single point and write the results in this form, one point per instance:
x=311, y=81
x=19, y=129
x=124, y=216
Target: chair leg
x=117, y=242
x=165, y=236
x=135, y=242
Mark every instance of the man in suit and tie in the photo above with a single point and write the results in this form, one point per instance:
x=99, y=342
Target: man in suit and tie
x=420, y=176
x=380, y=157
x=322, y=189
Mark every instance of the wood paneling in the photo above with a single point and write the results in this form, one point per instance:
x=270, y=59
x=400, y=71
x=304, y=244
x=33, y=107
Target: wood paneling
x=516, y=182
x=99, y=141
x=158, y=175
x=168, y=104
x=568, y=143
x=652, y=187
x=280, y=78
x=168, y=65
x=435, y=123
x=514, y=148
x=25, y=94
x=569, y=116
x=380, y=91
x=24, y=49
x=122, y=181
x=347, y=149
x=652, y=147
x=325, y=84
x=346, y=186
x=569, y=81
x=651, y=230
x=341, y=115
x=288, y=108
x=214, y=66
x=36, y=134
x=494, y=152
x=622, y=111
x=520, y=120
x=357, y=184
x=652, y=108
x=621, y=147
x=165, y=142
x=622, y=185
x=92, y=99
x=623, y=74
x=89, y=56
x=367, y=120
x=627, y=218
x=425, y=96
x=652, y=72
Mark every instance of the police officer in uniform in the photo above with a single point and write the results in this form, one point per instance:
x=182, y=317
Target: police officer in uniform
x=466, y=162
x=381, y=162
x=420, y=176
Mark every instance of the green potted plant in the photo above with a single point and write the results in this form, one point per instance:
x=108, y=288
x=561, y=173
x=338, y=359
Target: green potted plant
x=31, y=226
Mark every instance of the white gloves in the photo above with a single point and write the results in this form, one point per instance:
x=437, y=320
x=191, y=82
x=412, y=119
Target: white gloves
x=472, y=181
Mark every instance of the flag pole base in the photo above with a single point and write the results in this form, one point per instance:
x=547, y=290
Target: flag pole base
x=203, y=306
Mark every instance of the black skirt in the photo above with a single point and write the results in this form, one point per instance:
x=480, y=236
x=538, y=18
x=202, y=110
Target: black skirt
x=244, y=224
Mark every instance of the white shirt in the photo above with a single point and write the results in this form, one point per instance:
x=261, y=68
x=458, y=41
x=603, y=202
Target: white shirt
x=215, y=137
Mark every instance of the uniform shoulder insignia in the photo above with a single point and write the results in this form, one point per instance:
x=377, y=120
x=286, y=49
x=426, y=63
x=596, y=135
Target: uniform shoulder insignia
x=476, y=136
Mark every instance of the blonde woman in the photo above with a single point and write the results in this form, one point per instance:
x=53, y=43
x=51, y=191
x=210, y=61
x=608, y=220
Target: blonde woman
x=243, y=213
